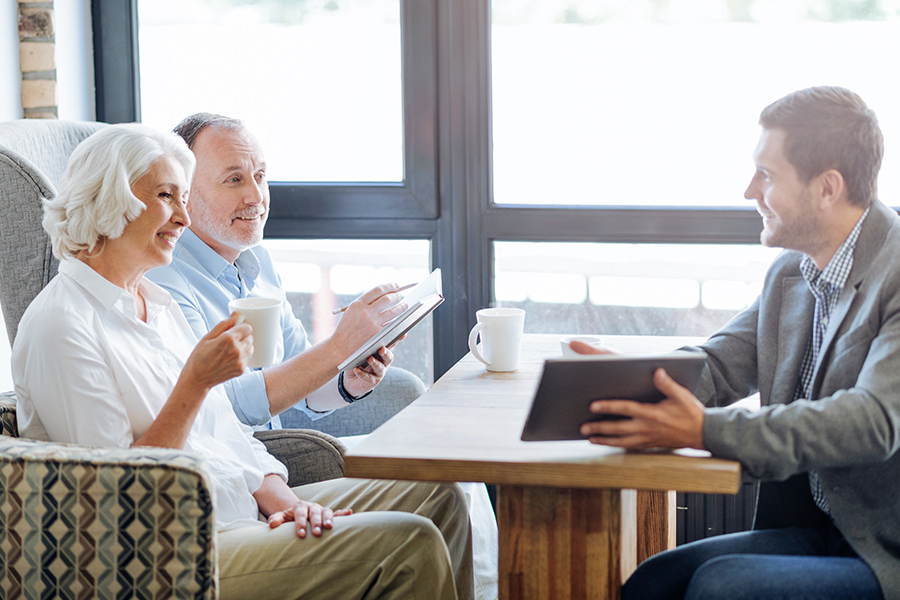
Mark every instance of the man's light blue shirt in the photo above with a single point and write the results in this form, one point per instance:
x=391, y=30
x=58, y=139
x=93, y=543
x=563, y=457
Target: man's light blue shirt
x=203, y=283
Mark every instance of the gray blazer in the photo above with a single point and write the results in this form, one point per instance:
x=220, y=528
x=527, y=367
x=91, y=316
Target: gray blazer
x=850, y=433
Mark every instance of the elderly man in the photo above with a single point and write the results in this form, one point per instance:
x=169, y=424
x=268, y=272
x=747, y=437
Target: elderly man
x=219, y=259
x=821, y=345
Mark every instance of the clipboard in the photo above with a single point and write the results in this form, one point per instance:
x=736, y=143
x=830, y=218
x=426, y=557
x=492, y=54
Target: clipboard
x=422, y=299
x=568, y=386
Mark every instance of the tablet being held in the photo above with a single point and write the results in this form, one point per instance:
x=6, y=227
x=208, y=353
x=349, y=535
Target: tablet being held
x=420, y=301
x=570, y=387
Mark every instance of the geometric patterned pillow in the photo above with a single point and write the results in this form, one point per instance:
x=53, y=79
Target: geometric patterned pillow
x=8, y=425
x=79, y=522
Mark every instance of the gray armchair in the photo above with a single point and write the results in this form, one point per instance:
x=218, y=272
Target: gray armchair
x=92, y=522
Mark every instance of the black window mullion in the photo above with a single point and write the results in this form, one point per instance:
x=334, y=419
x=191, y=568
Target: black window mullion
x=116, y=66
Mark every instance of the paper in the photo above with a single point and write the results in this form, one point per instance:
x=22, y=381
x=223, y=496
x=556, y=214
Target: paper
x=421, y=299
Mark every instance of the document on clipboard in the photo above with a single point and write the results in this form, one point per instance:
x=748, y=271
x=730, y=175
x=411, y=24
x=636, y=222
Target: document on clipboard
x=422, y=299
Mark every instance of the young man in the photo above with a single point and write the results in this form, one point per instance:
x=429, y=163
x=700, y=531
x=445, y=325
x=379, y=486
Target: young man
x=821, y=345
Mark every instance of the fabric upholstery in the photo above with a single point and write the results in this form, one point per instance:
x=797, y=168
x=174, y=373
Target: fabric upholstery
x=33, y=155
x=80, y=522
x=395, y=392
x=99, y=523
x=310, y=456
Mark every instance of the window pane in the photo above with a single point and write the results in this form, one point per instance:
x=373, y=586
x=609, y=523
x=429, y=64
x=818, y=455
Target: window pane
x=641, y=102
x=318, y=82
x=322, y=275
x=628, y=289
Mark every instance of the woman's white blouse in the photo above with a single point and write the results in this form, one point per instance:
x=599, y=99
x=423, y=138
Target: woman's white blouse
x=88, y=371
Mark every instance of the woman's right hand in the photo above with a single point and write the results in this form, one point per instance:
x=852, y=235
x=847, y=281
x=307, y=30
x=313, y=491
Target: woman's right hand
x=221, y=354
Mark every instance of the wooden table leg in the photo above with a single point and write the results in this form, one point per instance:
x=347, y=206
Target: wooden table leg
x=656, y=522
x=565, y=543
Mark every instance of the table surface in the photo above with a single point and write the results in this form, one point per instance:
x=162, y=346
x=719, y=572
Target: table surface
x=467, y=427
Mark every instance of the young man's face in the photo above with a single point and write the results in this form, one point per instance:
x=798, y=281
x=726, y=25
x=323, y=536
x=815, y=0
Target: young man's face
x=784, y=201
x=229, y=201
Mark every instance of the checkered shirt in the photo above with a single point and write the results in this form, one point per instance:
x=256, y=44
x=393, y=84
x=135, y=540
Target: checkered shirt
x=826, y=286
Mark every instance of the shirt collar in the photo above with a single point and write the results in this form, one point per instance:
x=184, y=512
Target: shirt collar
x=838, y=268
x=247, y=264
x=110, y=295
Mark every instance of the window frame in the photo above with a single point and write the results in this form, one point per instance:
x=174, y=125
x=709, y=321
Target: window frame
x=446, y=195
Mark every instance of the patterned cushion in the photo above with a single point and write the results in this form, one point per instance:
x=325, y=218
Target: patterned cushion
x=78, y=522
x=8, y=424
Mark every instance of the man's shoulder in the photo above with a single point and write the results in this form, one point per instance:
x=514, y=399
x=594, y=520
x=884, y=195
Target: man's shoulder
x=169, y=277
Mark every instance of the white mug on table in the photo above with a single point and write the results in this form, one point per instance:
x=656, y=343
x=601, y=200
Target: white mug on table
x=501, y=338
x=264, y=316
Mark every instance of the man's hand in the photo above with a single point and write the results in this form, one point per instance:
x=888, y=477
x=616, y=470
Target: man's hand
x=308, y=515
x=366, y=316
x=361, y=380
x=582, y=348
x=674, y=422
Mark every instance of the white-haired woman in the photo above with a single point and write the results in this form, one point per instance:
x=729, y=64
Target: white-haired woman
x=106, y=358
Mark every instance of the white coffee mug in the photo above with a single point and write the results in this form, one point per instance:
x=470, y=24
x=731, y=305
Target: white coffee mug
x=590, y=340
x=501, y=338
x=264, y=316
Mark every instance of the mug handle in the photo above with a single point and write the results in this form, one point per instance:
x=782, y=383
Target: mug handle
x=473, y=343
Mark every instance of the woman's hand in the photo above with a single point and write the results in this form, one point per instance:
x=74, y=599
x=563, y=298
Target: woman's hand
x=276, y=499
x=308, y=515
x=221, y=354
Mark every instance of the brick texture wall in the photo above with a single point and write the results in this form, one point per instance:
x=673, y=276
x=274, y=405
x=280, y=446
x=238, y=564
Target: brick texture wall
x=37, y=59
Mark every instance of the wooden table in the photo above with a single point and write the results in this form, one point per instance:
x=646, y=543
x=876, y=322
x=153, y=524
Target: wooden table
x=567, y=511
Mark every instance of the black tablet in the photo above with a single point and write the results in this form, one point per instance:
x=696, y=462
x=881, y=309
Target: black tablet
x=568, y=385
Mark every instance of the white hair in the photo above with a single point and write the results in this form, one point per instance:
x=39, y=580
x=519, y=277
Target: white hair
x=95, y=201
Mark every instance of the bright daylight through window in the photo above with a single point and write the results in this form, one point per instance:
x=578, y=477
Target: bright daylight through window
x=654, y=102
x=321, y=87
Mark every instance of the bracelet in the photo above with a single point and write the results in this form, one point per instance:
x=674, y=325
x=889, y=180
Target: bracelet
x=345, y=394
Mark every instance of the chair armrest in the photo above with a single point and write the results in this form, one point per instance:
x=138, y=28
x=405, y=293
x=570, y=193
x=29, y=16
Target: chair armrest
x=97, y=522
x=395, y=392
x=309, y=456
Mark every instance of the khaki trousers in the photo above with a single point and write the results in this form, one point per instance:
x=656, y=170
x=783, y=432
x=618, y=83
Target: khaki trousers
x=404, y=540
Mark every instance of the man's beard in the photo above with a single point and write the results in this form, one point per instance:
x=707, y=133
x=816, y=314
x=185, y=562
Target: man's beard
x=220, y=228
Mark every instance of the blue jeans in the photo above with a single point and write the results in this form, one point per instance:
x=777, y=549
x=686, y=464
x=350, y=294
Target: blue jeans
x=785, y=564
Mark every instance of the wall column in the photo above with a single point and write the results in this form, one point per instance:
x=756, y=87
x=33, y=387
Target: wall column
x=37, y=59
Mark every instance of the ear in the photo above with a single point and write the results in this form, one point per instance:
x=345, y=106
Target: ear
x=830, y=189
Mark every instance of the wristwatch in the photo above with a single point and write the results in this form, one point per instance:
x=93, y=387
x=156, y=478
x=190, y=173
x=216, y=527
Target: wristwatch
x=345, y=394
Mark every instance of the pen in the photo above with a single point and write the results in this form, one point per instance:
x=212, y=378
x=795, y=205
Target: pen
x=343, y=308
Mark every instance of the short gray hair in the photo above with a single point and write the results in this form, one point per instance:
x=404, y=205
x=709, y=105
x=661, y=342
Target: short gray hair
x=190, y=127
x=95, y=201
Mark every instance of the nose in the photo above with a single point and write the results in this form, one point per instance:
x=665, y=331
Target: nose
x=752, y=191
x=255, y=194
x=180, y=215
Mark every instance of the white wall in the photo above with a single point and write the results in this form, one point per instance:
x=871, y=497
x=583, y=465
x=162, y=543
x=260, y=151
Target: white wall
x=10, y=89
x=74, y=60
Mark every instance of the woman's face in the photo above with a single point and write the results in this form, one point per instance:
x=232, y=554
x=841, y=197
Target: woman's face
x=148, y=241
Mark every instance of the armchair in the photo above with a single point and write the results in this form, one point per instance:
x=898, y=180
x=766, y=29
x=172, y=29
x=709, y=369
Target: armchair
x=90, y=522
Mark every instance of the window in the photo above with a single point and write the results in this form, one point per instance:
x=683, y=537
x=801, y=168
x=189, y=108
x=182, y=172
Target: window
x=655, y=103
x=319, y=83
x=322, y=275
x=628, y=289
x=526, y=123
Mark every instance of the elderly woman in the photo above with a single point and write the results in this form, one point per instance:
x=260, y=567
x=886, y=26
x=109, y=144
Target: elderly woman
x=106, y=358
